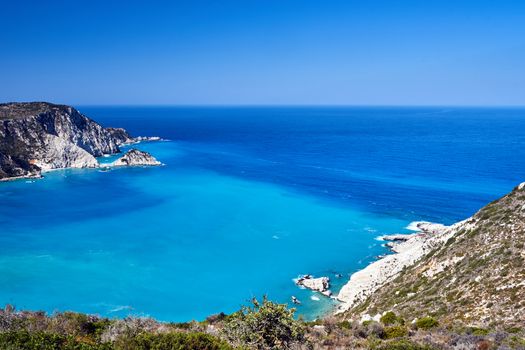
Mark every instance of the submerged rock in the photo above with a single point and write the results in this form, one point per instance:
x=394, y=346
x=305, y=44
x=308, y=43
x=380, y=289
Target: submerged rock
x=136, y=157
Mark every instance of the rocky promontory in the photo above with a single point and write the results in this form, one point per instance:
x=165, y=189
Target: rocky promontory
x=41, y=136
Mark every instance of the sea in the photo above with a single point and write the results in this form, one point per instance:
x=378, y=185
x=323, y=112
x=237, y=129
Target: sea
x=248, y=199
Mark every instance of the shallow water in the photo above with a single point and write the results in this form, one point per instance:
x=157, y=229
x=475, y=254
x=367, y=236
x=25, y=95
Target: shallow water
x=249, y=198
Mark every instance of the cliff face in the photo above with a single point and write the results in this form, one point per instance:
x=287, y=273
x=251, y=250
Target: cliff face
x=474, y=272
x=120, y=135
x=40, y=136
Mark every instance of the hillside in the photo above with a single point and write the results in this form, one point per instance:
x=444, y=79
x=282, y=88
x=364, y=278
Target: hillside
x=473, y=273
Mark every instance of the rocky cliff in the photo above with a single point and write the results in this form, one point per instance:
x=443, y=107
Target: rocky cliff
x=39, y=136
x=471, y=273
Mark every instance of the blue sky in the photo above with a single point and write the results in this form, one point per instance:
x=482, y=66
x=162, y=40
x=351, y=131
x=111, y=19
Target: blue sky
x=390, y=52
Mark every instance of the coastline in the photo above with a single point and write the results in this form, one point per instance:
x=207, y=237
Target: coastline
x=23, y=177
x=136, y=141
x=407, y=249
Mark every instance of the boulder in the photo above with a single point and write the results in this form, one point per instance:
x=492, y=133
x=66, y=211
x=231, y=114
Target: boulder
x=135, y=157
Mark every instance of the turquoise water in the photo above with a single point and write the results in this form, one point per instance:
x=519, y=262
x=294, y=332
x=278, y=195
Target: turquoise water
x=248, y=200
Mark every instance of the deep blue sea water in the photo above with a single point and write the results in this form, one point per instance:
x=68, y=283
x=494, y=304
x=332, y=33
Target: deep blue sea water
x=249, y=198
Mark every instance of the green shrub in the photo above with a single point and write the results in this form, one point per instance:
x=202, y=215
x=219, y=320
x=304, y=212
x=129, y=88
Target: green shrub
x=345, y=324
x=427, y=322
x=477, y=331
x=72, y=323
x=264, y=326
x=23, y=340
x=400, y=345
x=182, y=325
x=174, y=341
x=390, y=318
x=516, y=342
x=395, y=332
x=513, y=330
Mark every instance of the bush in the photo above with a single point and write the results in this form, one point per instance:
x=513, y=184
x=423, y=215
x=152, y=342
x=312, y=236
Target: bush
x=128, y=328
x=369, y=330
x=264, y=326
x=72, y=323
x=513, y=330
x=390, y=318
x=23, y=340
x=375, y=329
x=174, y=341
x=345, y=324
x=426, y=323
x=477, y=331
x=401, y=345
x=395, y=332
x=216, y=318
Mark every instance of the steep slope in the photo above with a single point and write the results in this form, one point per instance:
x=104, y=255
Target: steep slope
x=471, y=273
x=39, y=136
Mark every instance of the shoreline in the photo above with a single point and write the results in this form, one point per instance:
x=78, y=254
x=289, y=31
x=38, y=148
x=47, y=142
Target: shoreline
x=22, y=177
x=136, y=141
x=407, y=250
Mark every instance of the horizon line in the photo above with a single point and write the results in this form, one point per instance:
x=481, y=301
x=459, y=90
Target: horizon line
x=277, y=105
x=296, y=105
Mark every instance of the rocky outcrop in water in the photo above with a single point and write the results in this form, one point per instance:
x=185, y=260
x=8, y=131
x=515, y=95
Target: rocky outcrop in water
x=321, y=284
x=135, y=157
x=40, y=136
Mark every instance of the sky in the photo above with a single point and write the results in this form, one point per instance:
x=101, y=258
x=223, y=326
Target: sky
x=266, y=52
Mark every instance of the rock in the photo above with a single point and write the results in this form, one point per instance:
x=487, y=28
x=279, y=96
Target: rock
x=120, y=135
x=60, y=153
x=327, y=293
x=398, y=237
x=368, y=318
x=12, y=167
x=40, y=136
x=146, y=138
x=426, y=227
x=136, y=157
x=321, y=284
